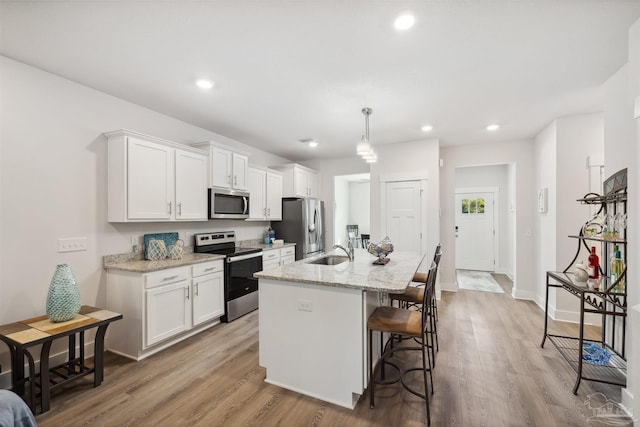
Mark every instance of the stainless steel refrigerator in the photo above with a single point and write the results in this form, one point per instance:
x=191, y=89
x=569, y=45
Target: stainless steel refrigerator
x=303, y=224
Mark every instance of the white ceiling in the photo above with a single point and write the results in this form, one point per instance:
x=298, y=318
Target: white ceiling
x=288, y=70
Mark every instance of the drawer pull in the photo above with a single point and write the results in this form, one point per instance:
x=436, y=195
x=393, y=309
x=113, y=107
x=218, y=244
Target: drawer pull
x=209, y=269
x=169, y=278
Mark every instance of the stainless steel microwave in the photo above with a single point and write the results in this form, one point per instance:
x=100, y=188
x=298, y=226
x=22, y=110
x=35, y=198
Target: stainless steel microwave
x=228, y=204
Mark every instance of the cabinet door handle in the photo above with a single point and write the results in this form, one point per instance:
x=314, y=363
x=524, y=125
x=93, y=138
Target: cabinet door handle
x=235, y=180
x=179, y=208
x=187, y=288
x=268, y=211
x=196, y=293
x=228, y=179
x=170, y=278
x=170, y=208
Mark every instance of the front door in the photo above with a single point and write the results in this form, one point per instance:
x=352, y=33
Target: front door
x=475, y=231
x=403, y=215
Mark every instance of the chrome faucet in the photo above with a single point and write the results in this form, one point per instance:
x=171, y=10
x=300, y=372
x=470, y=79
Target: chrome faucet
x=348, y=252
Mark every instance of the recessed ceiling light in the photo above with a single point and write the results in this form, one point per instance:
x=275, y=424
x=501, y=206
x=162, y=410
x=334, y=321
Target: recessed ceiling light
x=427, y=128
x=310, y=142
x=204, y=84
x=404, y=22
x=493, y=127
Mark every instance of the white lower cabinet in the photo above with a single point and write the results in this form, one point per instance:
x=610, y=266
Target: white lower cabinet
x=208, y=292
x=278, y=257
x=163, y=307
x=168, y=311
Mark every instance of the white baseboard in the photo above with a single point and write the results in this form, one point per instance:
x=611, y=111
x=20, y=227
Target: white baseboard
x=568, y=316
x=520, y=294
x=449, y=286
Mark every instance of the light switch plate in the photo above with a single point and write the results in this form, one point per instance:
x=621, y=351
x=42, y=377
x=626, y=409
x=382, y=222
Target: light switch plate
x=305, y=305
x=72, y=244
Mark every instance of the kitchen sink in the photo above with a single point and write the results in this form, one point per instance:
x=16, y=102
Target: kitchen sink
x=330, y=260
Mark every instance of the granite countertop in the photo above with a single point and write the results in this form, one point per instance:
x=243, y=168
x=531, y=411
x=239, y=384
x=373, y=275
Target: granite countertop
x=135, y=262
x=359, y=274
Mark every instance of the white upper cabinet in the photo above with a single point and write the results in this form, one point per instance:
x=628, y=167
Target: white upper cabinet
x=228, y=168
x=240, y=169
x=191, y=185
x=299, y=181
x=265, y=189
x=150, y=179
x=274, y=196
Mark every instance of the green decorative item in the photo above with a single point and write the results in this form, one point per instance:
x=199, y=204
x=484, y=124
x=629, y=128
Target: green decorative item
x=63, y=299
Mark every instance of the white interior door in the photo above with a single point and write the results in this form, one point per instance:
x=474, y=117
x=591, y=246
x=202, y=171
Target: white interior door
x=403, y=215
x=475, y=231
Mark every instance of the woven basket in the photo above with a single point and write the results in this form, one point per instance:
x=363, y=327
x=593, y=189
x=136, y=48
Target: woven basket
x=157, y=250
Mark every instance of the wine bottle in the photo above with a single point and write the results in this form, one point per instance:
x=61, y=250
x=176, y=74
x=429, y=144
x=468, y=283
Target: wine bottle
x=617, y=267
x=594, y=264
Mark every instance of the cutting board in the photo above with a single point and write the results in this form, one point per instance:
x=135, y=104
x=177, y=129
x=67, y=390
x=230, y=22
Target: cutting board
x=169, y=239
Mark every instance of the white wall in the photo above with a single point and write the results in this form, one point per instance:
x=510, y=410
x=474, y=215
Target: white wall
x=416, y=157
x=340, y=211
x=493, y=176
x=53, y=184
x=329, y=169
x=511, y=218
x=518, y=153
x=578, y=137
x=359, y=205
x=622, y=139
x=545, y=161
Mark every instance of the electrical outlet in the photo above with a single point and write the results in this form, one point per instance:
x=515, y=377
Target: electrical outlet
x=72, y=244
x=305, y=305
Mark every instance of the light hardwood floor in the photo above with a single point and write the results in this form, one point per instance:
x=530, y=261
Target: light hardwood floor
x=490, y=371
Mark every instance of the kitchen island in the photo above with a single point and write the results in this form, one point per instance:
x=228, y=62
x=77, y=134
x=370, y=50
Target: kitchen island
x=313, y=322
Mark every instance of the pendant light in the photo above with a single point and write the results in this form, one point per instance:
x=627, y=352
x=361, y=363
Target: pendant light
x=364, y=148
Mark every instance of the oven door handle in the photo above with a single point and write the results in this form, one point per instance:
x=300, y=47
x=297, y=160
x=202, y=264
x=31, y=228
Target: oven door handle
x=243, y=257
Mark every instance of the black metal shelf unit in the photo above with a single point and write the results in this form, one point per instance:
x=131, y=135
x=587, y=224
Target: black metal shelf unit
x=609, y=302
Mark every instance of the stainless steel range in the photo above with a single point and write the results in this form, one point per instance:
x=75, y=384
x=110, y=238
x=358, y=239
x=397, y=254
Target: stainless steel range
x=240, y=287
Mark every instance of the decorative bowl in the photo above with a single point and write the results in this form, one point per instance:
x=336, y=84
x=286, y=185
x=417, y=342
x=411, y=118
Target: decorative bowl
x=381, y=249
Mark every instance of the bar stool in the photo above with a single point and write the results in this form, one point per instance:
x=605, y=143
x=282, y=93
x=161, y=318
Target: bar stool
x=413, y=297
x=401, y=323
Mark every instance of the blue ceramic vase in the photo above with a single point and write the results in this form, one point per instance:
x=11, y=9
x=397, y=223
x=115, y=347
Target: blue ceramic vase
x=63, y=299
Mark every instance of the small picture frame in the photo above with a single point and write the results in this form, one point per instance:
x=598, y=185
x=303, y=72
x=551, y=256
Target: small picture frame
x=542, y=200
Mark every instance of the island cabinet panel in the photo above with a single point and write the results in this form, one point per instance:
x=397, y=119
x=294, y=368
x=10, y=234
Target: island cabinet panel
x=311, y=339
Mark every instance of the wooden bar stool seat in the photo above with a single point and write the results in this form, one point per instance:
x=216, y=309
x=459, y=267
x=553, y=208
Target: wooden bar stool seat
x=413, y=297
x=413, y=294
x=400, y=323
x=396, y=321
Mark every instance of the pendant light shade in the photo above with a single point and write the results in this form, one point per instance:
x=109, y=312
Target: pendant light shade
x=364, y=148
x=372, y=158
